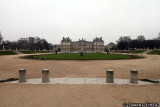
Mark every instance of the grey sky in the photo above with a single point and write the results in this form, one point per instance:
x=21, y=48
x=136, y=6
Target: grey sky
x=53, y=19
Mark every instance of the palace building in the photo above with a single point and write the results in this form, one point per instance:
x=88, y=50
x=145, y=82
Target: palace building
x=69, y=46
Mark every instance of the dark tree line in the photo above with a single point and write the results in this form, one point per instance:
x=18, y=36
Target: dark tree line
x=127, y=44
x=26, y=45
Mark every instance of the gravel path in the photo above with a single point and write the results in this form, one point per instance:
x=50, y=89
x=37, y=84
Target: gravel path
x=78, y=95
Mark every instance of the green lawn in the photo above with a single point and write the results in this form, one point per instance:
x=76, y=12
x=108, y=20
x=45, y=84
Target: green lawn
x=7, y=53
x=157, y=52
x=99, y=56
x=137, y=51
x=33, y=52
x=131, y=51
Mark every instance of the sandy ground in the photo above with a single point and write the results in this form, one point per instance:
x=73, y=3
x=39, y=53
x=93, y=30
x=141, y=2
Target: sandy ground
x=60, y=95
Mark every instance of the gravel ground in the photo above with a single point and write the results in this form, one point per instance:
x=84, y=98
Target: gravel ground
x=78, y=95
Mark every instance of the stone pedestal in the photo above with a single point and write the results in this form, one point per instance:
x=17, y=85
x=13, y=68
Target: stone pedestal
x=109, y=76
x=22, y=75
x=134, y=76
x=45, y=76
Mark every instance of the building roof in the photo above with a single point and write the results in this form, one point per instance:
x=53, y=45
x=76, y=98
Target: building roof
x=82, y=40
x=66, y=39
x=98, y=39
x=111, y=43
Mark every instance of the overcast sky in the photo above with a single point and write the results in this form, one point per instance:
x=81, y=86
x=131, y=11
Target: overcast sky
x=53, y=19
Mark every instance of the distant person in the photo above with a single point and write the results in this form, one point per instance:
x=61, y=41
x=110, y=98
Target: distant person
x=107, y=51
x=56, y=51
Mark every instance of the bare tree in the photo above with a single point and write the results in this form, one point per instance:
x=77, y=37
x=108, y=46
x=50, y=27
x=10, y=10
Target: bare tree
x=141, y=38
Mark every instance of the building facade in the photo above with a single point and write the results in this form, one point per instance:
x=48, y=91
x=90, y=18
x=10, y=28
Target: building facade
x=69, y=46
